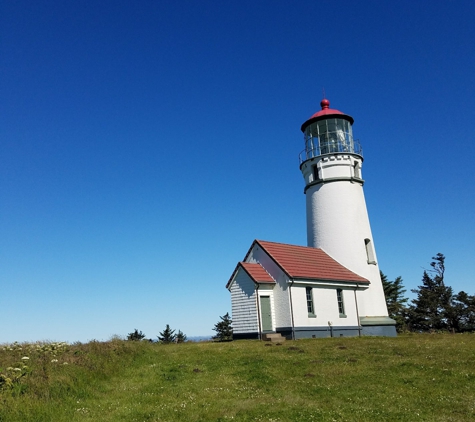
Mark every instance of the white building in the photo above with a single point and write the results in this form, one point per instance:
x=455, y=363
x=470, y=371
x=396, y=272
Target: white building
x=332, y=287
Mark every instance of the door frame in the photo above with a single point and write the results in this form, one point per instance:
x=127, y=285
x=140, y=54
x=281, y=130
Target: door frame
x=265, y=297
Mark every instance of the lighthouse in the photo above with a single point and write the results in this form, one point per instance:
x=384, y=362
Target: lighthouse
x=332, y=286
x=337, y=217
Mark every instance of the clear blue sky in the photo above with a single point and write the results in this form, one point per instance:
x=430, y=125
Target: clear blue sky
x=145, y=144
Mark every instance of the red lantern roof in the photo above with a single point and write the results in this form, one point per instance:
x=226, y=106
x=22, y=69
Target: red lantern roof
x=325, y=113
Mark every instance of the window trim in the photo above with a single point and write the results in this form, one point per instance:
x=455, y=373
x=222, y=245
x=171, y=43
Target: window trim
x=369, y=251
x=310, y=302
x=341, y=303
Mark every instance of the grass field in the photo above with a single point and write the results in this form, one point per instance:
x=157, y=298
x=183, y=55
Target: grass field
x=408, y=378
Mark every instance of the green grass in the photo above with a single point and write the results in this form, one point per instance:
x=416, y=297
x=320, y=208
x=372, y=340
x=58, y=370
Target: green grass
x=408, y=378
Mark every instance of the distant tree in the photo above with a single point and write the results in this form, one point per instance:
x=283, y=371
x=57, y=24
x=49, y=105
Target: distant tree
x=136, y=335
x=167, y=335
x=224, y=329
x=395, y=300
x=461, y=314
x=180, y=337
x=433, y=307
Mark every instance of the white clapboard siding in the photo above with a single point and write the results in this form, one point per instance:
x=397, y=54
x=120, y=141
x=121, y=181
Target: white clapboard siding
x=243, y=299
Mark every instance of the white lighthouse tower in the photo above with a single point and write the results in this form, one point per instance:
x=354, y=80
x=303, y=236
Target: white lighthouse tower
x=337, y=219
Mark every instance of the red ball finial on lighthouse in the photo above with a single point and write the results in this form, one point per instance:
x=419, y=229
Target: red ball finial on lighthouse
x=325, y=104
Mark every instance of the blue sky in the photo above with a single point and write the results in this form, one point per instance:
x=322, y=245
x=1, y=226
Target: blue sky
x=145, y=145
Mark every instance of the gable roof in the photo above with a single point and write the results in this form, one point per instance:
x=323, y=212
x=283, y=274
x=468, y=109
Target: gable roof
x=302, y=262
x=256, y=271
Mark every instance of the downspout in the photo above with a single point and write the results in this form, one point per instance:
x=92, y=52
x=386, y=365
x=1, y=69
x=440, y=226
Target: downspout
x=258, y=312
x=292, y=310
x=357, y=313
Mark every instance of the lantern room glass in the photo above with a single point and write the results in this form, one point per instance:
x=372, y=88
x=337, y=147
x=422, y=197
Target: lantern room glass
x=329, y=136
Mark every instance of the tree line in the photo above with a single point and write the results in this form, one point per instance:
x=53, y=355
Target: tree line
x=166, y=336
x=436, y=306
x=223, y=328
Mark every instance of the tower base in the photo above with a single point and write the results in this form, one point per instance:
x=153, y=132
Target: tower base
x=378, y=326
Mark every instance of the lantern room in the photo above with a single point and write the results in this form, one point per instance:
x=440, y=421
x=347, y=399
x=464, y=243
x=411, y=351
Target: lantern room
x=328, y=131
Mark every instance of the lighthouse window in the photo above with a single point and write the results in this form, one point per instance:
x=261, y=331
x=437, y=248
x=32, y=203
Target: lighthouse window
x=310, y=309
x=369, y=251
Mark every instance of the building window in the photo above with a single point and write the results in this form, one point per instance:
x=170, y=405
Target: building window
x=356, y=169
x=369, y=251
x=341, y=305
x=310, y=308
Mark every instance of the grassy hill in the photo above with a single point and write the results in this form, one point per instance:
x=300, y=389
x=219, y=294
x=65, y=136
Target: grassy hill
x=408, y=378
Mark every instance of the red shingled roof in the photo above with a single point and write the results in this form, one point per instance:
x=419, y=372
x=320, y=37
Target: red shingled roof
x=308, y=263
x=255, y=271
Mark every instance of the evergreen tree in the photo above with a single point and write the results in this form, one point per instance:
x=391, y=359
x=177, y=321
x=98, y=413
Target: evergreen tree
x=180, y=337
x=432, y=309
x=223, y=328
x=135, y=336
x=395, y=300
x=167, y=335
x=462, y=315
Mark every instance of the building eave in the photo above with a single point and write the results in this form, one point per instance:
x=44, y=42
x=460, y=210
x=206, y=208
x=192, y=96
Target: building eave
x=359, y=285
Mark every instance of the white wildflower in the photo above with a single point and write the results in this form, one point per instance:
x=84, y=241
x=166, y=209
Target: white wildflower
x=25, y=358
x=54, y=360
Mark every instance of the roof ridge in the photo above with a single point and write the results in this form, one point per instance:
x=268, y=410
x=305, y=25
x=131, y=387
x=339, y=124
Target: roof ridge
x=288, y=244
